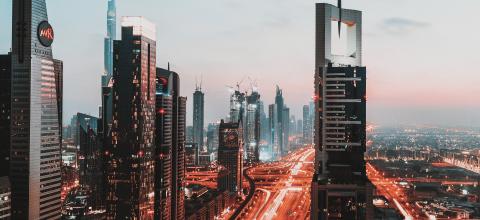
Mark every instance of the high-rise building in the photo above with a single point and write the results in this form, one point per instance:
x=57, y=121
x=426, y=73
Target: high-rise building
x=35, y=133
x=90, y=153
x=285, y=130
x=340, y=187
x=252, y=128
x=264, y=131
x=273, y=131
x=129, y=163
x=198, y=116
x=307, y=125
x=179, y=172
x=279, y=102
x=230, y=154
x=105, y=130
x=163, y=144
x=5, y=103
x=108, y=42
x=212, y=137
x=58, y=70
x=237, y=106
x=299, y=127
x=170, y=147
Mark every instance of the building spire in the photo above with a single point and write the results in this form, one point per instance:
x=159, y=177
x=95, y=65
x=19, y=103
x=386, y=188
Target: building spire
x=339, y=5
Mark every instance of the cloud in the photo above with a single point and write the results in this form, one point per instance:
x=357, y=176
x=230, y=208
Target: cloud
x=398, y=25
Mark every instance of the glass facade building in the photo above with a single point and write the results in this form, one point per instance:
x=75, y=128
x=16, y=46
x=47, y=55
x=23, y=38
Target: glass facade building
x=35, y=130
x=129, y=164
x=169, y=147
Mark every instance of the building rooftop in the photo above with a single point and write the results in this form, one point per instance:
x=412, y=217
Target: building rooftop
x=141, y=26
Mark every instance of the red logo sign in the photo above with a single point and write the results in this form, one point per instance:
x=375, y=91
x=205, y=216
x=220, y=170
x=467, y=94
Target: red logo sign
x=45, y=33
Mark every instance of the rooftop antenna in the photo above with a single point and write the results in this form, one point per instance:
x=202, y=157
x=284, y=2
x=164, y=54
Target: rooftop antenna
x=201, y=81
x=339, y=5
x=196, y=83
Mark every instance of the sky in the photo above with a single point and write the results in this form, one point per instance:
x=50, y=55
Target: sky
x=421, y=55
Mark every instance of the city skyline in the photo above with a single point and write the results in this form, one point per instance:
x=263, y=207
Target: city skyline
x=440, y=101
x=389, y=124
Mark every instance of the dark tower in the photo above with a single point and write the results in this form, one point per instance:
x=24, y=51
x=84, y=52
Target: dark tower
x=198, y=116
x=230, y=154
x=5, y=117
x=340, y=187
x=170, y=147
x=129, y=163
x=90, y=155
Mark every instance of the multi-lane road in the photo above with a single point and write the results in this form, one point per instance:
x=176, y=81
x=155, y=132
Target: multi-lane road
x=282, y=188
x=394, y=193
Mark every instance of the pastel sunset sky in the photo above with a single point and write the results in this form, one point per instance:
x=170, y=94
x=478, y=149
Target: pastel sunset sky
x=422, y=56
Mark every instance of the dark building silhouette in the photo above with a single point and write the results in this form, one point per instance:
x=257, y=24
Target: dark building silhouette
x=163, y=144
x=90, y=163
x=340, y=187
x=178, y=190
x=35, y=173
x=198, y=116
x=129, y=163
x=170, y=147
x=58, y=70
x=5, y=113
x=230, y=157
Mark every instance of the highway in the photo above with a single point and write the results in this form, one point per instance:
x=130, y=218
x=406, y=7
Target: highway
x=394, y=193
x=283, y=187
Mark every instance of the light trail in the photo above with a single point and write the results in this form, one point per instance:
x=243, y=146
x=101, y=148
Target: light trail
x=402, y=210
x=277, y=202
x=264, y=203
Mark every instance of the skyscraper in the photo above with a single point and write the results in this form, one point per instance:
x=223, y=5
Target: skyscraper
x=58, y=70
x=170, y=147
x=178, y=158
x=279, y=102
x=285, y=130
x=307, y=125
x=35, y=134
x=212, y=137
x=230, y=154
x=90, y=157
x=273, y=131
x=129, y=164
x=163, y=145
x=105, y=130
x=340, y=187
x=237, y=106
x=252, y=129
x=108, y=42
x=5, y=103
x=198, y=116
x=299, y=127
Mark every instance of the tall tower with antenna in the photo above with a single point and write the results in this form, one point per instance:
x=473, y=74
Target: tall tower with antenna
x=340, y=187
x=198, y=114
